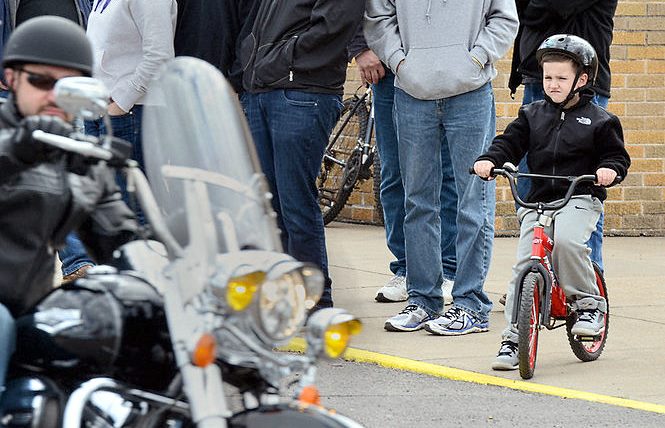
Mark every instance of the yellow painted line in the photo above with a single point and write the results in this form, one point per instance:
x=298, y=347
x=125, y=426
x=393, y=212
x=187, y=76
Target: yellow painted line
x=358, y=355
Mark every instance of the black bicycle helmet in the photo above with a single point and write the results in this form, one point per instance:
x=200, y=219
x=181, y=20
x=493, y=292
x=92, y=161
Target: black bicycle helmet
x=575, y=48
x=49, y=40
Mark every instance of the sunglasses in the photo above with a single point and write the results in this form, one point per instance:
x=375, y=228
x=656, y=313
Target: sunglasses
x=42, y=82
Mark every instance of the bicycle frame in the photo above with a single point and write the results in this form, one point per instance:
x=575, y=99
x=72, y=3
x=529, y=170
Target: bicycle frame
x=364, y=144
x=553, y=299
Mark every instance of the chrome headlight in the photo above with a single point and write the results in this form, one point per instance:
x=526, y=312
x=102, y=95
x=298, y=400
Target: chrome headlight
x=329, y=331
x=284, y=300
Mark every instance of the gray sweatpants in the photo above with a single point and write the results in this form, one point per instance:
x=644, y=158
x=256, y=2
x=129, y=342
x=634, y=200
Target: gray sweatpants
x=571, y=228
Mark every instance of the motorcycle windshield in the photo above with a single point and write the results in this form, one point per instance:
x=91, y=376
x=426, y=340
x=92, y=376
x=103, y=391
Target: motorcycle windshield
x=194, y=131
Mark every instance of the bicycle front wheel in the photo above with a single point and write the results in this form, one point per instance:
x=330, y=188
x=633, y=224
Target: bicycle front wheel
x=528, y=324
x=341, y=164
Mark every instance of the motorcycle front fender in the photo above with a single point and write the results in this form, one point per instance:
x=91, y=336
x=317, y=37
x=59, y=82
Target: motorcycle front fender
x=291, y=415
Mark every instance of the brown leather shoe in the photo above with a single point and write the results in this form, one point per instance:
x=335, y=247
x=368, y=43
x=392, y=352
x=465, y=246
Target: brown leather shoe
x=78, y=273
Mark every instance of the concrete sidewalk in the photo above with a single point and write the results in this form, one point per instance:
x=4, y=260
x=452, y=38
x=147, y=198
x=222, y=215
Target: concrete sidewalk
x=630, y=367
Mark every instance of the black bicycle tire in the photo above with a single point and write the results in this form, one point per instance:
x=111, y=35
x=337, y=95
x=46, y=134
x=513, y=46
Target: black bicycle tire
x=526, y=303
x=578, y=347
x=343, y=191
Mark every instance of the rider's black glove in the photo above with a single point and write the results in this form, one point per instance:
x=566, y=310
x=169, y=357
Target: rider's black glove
x=30, y=151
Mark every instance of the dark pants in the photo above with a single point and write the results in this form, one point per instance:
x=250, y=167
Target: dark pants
x=291, y=129
x=128, y=127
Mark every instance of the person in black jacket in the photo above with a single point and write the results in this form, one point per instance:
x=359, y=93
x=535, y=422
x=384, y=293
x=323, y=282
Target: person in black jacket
x=592, y=20
x=294, y=63
x=565, y=134
x=41, y=199
x=212, y=31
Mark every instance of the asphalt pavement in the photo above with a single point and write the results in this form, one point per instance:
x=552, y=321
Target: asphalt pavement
x=629, y=373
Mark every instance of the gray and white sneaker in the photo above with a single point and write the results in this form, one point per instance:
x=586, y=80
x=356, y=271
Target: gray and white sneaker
x=456, y=322
x=412, y=318
x=590, y=317
x=447, y=290
x=393, y=291
x=507, y=357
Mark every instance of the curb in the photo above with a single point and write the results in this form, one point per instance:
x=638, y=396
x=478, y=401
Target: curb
x=399, y=363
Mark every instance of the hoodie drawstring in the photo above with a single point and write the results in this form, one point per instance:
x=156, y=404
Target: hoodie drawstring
x=428, y=15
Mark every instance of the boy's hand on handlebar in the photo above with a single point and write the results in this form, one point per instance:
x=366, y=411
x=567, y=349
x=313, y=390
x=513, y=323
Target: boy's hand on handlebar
x=29, y=150
x=483, y=169
x=606, y=176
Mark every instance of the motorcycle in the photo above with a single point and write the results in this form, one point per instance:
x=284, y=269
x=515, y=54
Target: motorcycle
x=203, y=302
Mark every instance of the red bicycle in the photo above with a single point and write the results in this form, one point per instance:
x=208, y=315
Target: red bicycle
x=539, y=300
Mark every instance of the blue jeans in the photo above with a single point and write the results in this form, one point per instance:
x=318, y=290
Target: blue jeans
x=534, y=92
x=392, y=190
x=7, y=343
x=128, y=127
x=291, y=130
x=466, y=123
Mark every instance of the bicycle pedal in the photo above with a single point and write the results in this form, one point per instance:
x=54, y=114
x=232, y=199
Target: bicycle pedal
x=587, y=338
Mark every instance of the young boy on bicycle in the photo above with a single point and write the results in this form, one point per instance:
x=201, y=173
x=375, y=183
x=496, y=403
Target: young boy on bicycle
x=565, y=134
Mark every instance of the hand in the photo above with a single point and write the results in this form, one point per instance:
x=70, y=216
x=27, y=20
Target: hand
x=115, y=110
x=483, y=169
x=30, y=151
x=605, y=176
x=370, y=67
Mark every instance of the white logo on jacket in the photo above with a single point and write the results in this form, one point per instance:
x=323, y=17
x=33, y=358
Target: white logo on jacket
x=584, y=120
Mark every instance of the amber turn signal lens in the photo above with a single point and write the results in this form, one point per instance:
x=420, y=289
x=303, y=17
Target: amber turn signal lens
x=310, y=395
x=204, y=352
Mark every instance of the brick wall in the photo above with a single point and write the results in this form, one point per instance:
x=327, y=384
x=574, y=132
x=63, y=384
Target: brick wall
x=637, y=207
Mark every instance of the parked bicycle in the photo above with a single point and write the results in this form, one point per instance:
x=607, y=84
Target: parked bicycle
x=350, y=157
x=539, y=299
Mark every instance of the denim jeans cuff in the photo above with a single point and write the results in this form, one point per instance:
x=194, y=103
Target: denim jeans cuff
x=432, y=313
x=76, y=266
x=472, y=312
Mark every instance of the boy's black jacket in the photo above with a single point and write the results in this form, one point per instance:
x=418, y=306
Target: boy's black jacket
x=300, y=44
x=539, y=19
x=577, y=141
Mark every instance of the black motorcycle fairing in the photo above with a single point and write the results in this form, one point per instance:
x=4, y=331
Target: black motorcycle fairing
x=106, y=324
x=30, y=402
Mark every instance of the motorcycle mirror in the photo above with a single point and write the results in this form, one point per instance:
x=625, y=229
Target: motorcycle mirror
x=83, y=96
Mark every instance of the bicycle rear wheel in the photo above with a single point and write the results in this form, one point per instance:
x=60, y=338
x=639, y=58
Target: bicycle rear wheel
x=590, y=350
x=342, y=159
x=528, y=324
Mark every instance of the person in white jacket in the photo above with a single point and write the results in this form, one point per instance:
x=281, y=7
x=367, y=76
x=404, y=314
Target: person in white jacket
x=131, y=39
x=442, y=54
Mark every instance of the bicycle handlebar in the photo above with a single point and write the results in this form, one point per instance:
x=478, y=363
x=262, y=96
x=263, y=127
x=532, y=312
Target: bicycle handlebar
x=512, y=174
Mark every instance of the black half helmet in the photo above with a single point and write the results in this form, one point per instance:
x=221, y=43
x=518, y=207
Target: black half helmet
x=49, y=40
x=574, y=47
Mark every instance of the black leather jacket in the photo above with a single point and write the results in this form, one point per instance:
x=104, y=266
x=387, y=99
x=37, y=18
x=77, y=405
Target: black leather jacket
x=300, y=44
x=39, y=205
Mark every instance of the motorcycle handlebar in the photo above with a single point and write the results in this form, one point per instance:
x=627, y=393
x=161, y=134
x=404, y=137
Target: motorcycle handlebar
x=67, y=144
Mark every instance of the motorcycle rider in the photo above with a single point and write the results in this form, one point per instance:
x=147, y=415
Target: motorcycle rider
x=44, y=192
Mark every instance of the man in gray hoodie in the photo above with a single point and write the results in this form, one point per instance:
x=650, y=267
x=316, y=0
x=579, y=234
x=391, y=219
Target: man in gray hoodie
x=442, y=53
